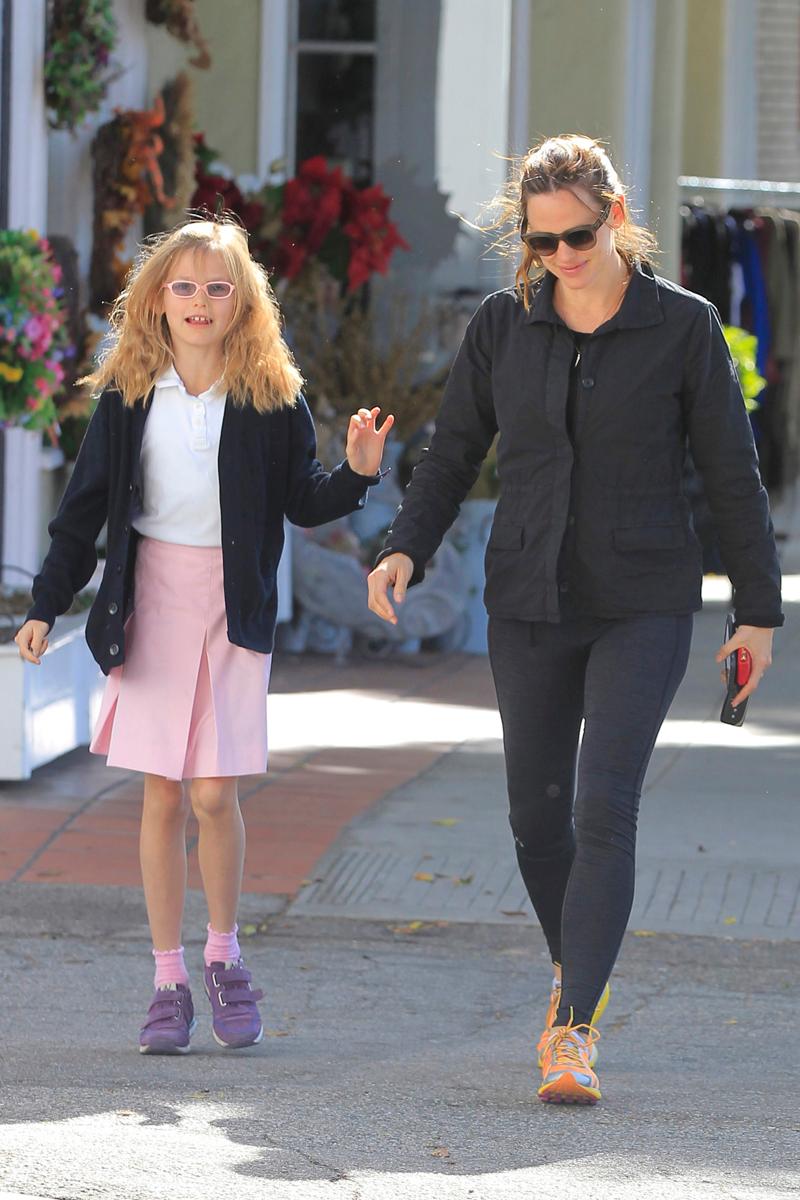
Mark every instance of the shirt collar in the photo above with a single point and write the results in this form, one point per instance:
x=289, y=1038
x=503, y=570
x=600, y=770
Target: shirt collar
x=171, y=378
x=640, y=307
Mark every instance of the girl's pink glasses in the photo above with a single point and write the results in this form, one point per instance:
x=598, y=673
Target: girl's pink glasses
x=184, y=289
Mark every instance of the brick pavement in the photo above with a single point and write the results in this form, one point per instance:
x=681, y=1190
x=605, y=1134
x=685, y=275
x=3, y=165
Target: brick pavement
x=76, y=821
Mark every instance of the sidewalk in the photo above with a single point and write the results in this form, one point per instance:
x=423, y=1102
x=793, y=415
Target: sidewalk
x=401, y=1011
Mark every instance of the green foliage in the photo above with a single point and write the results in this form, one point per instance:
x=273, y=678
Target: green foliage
x=80, y=37
x=744, y=347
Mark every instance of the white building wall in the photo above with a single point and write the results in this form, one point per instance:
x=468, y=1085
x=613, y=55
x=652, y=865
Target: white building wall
x=70, y=200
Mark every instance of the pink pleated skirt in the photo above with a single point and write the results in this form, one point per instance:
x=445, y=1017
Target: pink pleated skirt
x=186, y=703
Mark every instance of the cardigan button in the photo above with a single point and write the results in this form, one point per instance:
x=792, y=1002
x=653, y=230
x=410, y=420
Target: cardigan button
x=113, y=649
x=113, y=608
x=588, y=382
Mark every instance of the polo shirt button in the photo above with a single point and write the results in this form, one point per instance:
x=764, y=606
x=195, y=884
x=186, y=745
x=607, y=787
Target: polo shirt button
x=588, y=383
x=113, y=649
x=113, y=608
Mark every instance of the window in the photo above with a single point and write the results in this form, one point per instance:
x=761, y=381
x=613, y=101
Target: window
x=335, y=84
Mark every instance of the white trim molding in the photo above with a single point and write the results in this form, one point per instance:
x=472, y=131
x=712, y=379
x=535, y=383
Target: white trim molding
x=27, y=183
x=273, y=140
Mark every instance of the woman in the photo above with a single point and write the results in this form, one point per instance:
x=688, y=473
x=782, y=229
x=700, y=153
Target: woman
x=595, y=372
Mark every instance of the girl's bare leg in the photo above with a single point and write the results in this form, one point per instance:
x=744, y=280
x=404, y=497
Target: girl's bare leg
x=221, y=847
x=162, y=853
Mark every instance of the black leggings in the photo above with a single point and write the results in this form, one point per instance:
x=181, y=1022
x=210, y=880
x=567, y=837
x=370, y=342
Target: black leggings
x=576, y=845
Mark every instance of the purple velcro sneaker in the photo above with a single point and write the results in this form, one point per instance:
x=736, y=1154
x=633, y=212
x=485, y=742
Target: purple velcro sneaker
x=236, y=1021
x=170, y=1021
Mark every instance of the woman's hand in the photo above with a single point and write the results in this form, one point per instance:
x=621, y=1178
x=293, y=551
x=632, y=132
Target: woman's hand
x=31, y=640
x=759, y=642
x=365, y=441
x=394, y=571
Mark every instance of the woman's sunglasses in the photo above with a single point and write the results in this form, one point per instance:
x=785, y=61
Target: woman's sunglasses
x=580, y=237
x=184, y=289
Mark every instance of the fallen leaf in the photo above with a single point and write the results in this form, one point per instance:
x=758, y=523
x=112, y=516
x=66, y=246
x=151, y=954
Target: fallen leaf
x=731, y=1021
x=513, y=912
x=276, y=1033
x=440, y=1152
x=411, y=927
x=643, y=933
x=424, y=877
x=305, y=882
x=248, y=930
x=446, y=821
x=465, y=879
x=729, y=921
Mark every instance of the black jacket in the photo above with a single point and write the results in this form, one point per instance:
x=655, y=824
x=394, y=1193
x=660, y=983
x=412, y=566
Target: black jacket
x=657, y=373
x=267, y=468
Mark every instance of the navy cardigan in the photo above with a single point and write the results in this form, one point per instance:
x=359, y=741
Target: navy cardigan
x=267, y=470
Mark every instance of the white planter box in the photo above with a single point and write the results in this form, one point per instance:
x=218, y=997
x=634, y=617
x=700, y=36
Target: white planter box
x=48, y=710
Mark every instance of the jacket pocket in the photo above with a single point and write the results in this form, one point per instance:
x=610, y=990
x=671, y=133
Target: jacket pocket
x=505, y=537
x=650, y=537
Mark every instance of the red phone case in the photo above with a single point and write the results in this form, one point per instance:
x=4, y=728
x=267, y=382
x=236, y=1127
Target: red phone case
x=744, y=665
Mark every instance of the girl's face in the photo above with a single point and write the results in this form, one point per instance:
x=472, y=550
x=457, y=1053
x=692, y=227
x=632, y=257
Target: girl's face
x=557, y=212
x=198, y=322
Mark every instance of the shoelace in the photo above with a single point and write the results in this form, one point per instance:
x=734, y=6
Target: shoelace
x=567, y=1051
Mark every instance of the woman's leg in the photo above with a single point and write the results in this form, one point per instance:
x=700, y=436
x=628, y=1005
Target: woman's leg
x=162, y=853
x=220, y=848
x=539, y=678
x=633, y=673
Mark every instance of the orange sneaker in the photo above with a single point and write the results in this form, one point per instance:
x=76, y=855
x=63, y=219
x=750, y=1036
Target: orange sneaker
x=567, y=1075
x=552, y=1009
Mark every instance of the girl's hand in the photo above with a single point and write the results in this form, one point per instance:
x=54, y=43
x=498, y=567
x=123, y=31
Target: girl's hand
x=31, y=640
x=365, y=441
x=759, y=642
x=394, y=571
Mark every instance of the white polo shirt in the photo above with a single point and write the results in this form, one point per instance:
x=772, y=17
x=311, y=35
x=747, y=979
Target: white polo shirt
x=180, y=473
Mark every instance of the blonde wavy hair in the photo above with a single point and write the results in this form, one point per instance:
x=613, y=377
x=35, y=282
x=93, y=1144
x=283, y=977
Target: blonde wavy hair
x=565, y=162
x=259, y=367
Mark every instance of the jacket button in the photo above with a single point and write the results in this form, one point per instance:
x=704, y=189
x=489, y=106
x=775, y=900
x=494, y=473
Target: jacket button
x=119, y=569
x=113, y=649
x=130, y=487
x=588, y=383
x=113, y=608
x=126, y=528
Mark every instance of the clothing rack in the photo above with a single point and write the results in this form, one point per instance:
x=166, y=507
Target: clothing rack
x=740, y=192
x=725, y=194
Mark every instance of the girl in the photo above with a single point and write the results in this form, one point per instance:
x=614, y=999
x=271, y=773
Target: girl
x=595, y=371
x=200, y=445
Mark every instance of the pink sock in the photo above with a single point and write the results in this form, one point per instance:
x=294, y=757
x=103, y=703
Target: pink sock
x=222, y=947
x=170, y=967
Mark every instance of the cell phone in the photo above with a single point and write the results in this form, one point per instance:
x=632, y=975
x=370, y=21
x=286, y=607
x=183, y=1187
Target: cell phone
x=737, y=672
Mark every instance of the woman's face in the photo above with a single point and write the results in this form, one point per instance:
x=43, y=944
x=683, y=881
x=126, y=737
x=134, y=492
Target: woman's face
x=198, y=322
x=556, y=212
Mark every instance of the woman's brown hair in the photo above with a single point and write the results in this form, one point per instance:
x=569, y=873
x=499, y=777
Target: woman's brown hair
x=566, y=162
x=259, y=368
